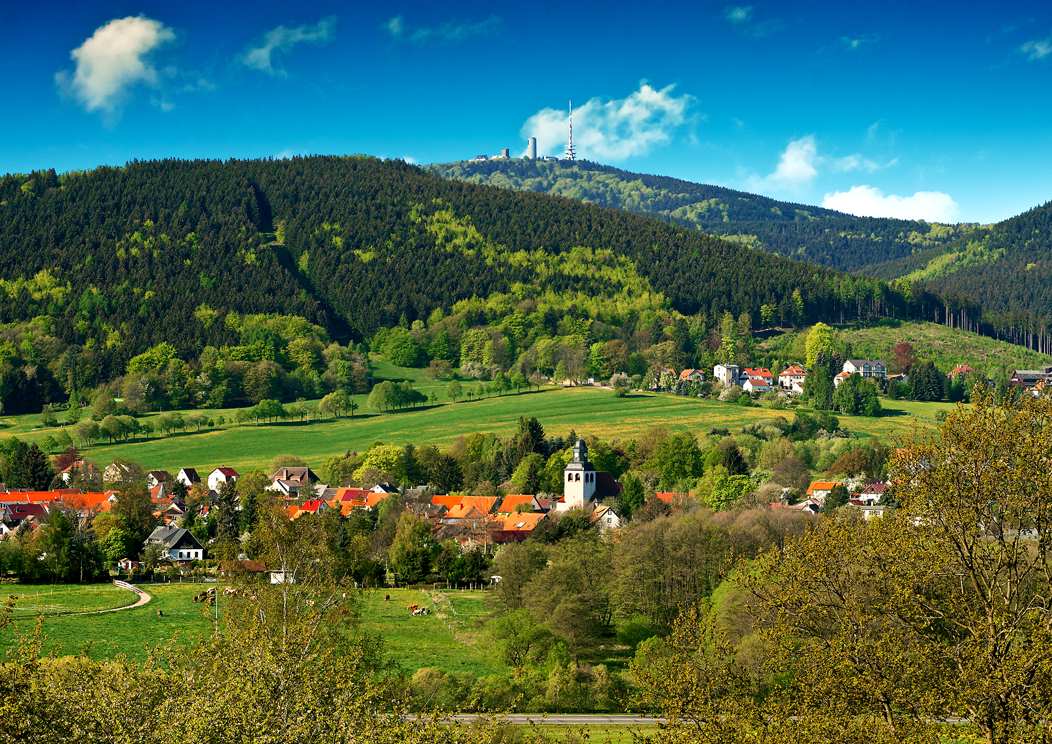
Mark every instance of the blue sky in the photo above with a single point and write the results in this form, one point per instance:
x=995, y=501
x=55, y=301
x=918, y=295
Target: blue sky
x=933, y=110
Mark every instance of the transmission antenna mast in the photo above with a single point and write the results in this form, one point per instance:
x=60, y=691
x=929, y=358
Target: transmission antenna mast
x=569, y=147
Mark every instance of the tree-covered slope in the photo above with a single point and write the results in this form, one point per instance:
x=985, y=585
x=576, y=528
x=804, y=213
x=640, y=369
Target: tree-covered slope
x=820, y=236
x=1007, y=268
x=128, y=255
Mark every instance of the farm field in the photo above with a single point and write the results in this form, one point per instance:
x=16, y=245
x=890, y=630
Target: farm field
x=441, y=639
x=585, y=410
x=128, y=632
x=64, y=598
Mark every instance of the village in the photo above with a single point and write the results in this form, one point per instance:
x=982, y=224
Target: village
x=471, y=520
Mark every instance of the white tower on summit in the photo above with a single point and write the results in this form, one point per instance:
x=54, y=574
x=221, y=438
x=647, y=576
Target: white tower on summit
x=579, y=479
x=569, y=146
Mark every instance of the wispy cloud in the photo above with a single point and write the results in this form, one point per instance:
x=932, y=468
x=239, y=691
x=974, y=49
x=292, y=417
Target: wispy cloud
x=796, y=167
x=857, y=44
x=1037, y=48
x=112, y=61
x=282, y=40
x=613, y=129
x=869, y=201
x=451, y=32
x=736, y=15
x=800, y=163
x=743, y=18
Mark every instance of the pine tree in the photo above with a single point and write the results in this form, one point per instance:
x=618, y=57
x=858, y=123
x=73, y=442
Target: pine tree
x=35, y=469
x=226, y=512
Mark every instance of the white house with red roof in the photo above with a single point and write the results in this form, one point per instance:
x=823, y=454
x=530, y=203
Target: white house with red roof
x=961, y=370
x=794, y=374
x=219, y=476
x=692, y=375
x=759, y=373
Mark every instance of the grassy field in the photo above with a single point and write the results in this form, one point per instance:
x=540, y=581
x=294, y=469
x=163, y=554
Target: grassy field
x=585, y=410
x=128, y=632
x=447, y=638
x=50, y=600
x=947, y=347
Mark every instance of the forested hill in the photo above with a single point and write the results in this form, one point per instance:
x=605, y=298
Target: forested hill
x=1007, y=268
x=349, y=243
x=820, y=236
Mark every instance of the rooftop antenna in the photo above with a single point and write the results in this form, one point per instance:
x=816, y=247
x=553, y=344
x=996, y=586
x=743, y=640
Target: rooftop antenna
x=569, y=147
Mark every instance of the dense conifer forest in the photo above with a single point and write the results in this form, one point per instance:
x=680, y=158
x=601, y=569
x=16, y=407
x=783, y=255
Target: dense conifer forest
x=821, y=236
x=210, y=283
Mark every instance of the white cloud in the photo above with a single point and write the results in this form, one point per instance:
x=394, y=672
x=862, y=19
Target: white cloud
x=615, y=129
x=737, y=14
x=858, y=163
x=846, y=42
x=282, y=39
x=112, y=61
x=450, y=32
x=868, y=201
x=1037, y=49
x=796, y=167
x=743, y=19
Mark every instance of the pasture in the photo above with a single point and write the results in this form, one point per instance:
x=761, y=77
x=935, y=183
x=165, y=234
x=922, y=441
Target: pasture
x=584, y=410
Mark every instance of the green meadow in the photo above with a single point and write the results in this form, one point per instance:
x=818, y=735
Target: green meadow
x=584, y=410
x=449, y=637
x=63, y=598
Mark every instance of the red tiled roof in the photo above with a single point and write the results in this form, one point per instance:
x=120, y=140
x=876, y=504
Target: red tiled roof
x=447, y=501
x=228, y=472
x=822, y=486
x=510, y=502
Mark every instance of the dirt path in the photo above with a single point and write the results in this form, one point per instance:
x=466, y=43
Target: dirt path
x=143, y=599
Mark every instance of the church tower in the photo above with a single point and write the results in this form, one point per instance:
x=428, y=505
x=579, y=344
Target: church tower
x=579, y=479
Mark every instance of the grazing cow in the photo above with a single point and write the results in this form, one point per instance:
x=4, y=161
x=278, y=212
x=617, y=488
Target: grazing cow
x=160, y=614
x=412, y=607
x=387, y=598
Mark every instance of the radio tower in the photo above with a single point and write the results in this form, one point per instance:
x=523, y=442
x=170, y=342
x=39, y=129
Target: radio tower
x=569, y=147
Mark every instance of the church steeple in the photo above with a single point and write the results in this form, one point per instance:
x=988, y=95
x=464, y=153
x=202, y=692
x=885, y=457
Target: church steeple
x=579, y=479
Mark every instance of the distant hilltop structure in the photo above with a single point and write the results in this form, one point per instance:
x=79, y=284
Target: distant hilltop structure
x=569, y=145
x=531, y=148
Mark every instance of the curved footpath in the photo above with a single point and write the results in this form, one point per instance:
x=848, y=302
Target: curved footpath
x=143, y=599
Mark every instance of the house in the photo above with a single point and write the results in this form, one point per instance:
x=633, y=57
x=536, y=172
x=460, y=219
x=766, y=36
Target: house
x=1027, y=378
x=241, y=567
x=660, y=372
x=356, y=498
x=386, y=488
x=872, y=494
x=155, y=478
x=819, y=490
x=756, y=385
x=115, y=471
x=728, y=374
x=312, y=506
x=178, y=544
x=840, y=378
x=79, y=467
x=759, y=373
x=795, y=373
x=127, y=564
x=524, y=503
x=220, y=476
x=517, y=527
x=188, y=477
x=866, y=367
x=289, y=481
x=606, y=518
x=692, y=375
x=961, y=370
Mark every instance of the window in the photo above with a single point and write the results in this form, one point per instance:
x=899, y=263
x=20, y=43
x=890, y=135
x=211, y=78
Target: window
x=569, y=477
x=577, y=476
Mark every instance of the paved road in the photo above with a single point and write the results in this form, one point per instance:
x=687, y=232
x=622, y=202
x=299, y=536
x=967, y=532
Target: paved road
x=573, y=720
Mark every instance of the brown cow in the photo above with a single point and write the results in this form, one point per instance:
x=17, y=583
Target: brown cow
x=412, y=607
